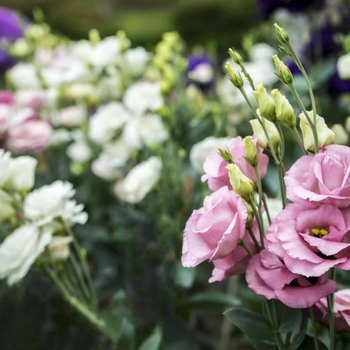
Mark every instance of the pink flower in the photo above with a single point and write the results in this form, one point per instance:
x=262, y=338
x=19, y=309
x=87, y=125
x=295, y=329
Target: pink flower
x=341, y=310
x=7, y=97
x=33, y=99
x=311, y=240
x=323, y=178
x=213, y=231
x=235, y=263
x=31, y=135
x=215, y=167
x=267, y=275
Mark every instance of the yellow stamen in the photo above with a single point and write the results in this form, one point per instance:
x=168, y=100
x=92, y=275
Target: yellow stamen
x=319, y=232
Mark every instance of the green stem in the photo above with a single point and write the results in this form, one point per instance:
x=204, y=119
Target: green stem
x=273, y=321
x=330, y=304
x=279, y=129
x=246, y=248
x=302, y=107
x=260, y=223
x=299, y=139
x=313, y=322
x=247, y=75
x=266, y=209
x=251, y=234
x=99, y=324
x=281, y=174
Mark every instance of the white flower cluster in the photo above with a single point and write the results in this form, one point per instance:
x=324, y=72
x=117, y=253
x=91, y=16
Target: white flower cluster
x=38, y=216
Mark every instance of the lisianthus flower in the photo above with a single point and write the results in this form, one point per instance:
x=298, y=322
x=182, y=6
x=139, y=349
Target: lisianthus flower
x=215, y=167
x=213, y=231
x=321, y=179
x=311, y=239
x=20, y=250
x=51, y=202
x=200, y=71
x=267, y=275
x=341, y=310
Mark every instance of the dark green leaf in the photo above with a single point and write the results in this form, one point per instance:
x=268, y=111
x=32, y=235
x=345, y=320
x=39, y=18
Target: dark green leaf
x=153, y=341
x=213, y=300
x=309, y=344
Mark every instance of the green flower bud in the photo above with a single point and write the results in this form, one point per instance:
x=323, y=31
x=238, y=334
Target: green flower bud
x=234, y=76
x=325, y=135
x=250, y=217
x=236, y=57
x=225, y=155
x=272, y=133
x=94, y=36
x=281, y=34
x=265, y=102
x=284, y=111
x=251, y=152
x=240, y=183
x=341, y=136
x=283, y=71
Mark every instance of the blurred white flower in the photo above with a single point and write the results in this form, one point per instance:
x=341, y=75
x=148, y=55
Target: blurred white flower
x=110, y=87
x=31, y=98
x=275, y=207
x=261, y=51
x=343, y=66
x=135, y=60
x=6, y=208
x=202, y=149
x=79, y=151
x=203, y=73
x=24, y=76
x=106, y=121
x=152, y=129
x=139, y=181
x=143, y=96
x=72, y=116
x=20, y=250
x=60, y=136
x=106, y=52
x=59, y=248
x=53, y=201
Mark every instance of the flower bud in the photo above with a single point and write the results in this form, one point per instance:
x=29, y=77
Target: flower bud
x=250, y=217
x=234, y=76
x=341, y=136
x=272, y=133
x=59, y=248
x=236, y=57
x=283, y=71
x=240, y=183
x=225, y=155
x=94, y=36
x=325, y=135
x=265, y=102
x=284, y=111
x=281, y=34
x=251, y=152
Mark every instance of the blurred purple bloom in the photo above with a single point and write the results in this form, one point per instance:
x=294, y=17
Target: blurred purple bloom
x=10, y=29
x=338, y=85
x=266, y=7
x=200, y=71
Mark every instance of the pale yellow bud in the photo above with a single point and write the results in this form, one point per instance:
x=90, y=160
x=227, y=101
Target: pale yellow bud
x=284, y=111
x=234, y=76
x=94, y=36
x=236, y=57
x=341, y=135
x=347, y=124
x=272, y=133
x=240, y=183
x=265, y=102
x=325, y=135
x=281, y=34
x=225, y=155
x=283, y=71
x=251, y=152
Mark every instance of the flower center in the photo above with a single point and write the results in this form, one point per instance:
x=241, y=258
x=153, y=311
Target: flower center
x=319, y=232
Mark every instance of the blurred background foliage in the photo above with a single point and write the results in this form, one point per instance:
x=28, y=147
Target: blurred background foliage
x=213, y=24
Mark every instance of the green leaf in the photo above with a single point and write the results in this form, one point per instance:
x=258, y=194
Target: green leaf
x=127, y=339
x=309, y=344
x=212, y=299
x=184, y=277
x=254, y=326
x=153, y=342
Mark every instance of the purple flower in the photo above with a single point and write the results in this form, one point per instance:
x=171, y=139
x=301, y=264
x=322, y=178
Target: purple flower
x=10, y=29
x=200, y=71
x=338, y=85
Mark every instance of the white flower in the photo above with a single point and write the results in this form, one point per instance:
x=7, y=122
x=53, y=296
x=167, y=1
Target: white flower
x=202, y=149
x=343, y=66
x=24, y=75
x=72, y=116
x=106, y=121
x=110, y=87
x=20, y=250
x=135, y=60
x=59, y=248
x=152, y=129
x=105, y=53
x=203, y=73
x=79, y=151
x=53, y=201
x=140, y=180
x=261, y=51
x=60, y=136
x=21, y=173
x=143, y=96
x=5, y=162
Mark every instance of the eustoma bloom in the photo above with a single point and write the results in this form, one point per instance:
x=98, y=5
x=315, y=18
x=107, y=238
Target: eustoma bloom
x=215, y=167
x=323, y=178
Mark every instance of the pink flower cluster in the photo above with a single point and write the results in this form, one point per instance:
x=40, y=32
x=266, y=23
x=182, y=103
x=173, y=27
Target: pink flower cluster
x=311, y=235
x=214, y=231
x=21, y=128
